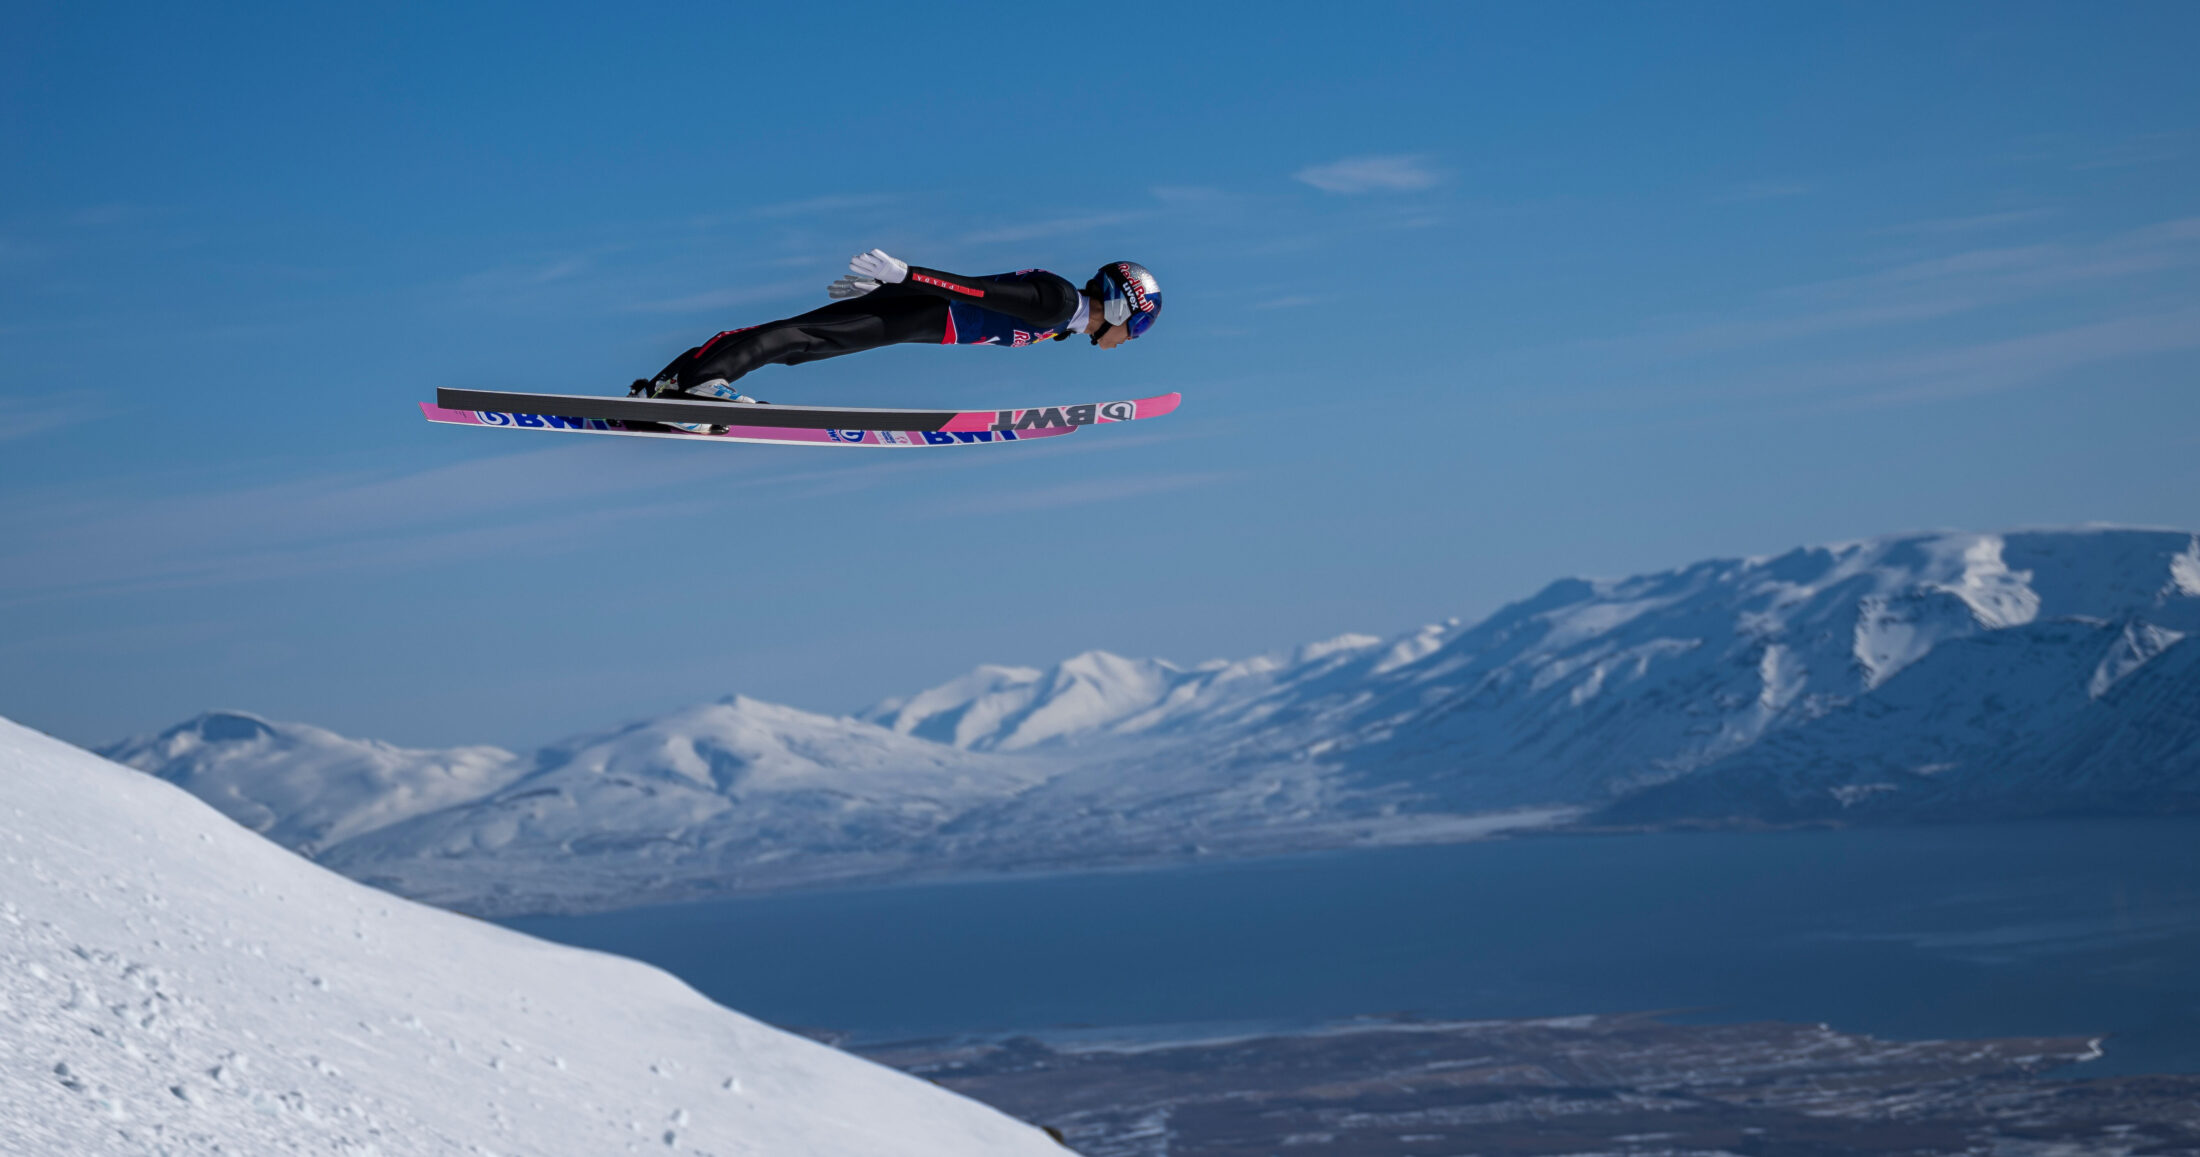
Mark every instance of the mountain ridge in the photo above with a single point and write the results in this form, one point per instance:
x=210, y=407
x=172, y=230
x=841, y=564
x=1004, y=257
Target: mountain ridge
x=1920, y=676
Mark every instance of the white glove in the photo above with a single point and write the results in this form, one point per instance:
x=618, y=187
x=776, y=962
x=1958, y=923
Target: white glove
x=877, y=266
x=850, y=286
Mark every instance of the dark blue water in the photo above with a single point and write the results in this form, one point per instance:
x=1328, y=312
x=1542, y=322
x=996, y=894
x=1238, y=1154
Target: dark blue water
x=2068, y=927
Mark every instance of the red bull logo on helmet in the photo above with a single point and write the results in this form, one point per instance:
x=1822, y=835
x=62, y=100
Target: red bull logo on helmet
x=1133, y=286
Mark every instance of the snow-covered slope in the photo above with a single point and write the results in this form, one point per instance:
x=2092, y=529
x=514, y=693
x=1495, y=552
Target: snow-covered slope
x=2027, y=673
x=170, y=983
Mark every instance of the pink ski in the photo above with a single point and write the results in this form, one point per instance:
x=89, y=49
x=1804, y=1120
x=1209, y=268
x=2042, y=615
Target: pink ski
x=791, y=425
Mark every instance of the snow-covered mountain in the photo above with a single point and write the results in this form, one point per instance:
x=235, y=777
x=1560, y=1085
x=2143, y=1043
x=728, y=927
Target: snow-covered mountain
x=171, y=984
x=1914, y=676
x=2058, y=717
x=722, y=796
x=1868, y=653
x=306, y=788
x=1096, y=695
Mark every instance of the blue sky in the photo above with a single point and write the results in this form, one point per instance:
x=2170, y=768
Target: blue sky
x=1461, y=298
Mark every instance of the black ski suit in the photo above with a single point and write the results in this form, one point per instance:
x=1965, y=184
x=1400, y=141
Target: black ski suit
x=931, y=306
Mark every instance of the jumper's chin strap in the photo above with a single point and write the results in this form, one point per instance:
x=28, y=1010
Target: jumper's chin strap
x=1098, y=296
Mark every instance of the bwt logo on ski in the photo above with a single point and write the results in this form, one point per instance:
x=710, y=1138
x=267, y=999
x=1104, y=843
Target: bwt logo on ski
x=1084, y=415
x=928, y=437
x=539, y=421
x=936, y=438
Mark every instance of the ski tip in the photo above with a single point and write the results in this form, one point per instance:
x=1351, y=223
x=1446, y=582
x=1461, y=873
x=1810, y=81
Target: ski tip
x=1155, y=407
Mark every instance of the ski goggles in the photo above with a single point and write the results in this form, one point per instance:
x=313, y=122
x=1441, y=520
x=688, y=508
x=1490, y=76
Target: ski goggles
x=1141, y=321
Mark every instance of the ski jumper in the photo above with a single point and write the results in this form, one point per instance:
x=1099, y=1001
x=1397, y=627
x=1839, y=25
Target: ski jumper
x=1007, y=309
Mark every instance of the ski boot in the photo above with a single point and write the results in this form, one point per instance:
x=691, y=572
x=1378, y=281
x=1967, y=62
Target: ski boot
x=715, y=390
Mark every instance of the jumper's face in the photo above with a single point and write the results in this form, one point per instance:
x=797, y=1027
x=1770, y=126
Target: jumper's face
x=1115, y=336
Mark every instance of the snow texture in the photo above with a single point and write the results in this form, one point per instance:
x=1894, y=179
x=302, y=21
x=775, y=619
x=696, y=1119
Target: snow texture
x=172, y=984
x=1934, y=674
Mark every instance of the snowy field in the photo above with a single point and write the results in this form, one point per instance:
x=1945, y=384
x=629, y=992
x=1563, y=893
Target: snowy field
x=171, y=983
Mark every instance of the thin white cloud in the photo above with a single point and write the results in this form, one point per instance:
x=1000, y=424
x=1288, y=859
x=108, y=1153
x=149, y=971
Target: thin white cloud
x=67, y=544
x=726, y=298
x=515, y=275
x=819, y=206
x=1943, y=286
x=80, y=543
x=2145, y=149
x=834, y=203
x=558, y=270
x=1992, y=367
x=1052, y=227
x=1974, y=369
x=1959, y=370
x=29, y=417
x=1399, y=173
x=1087, y=492
x=116, y=213
x=2084, y=152
x=1974, y=223
x=1760, y=191
x=1867, y=341
x=1189, y=195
